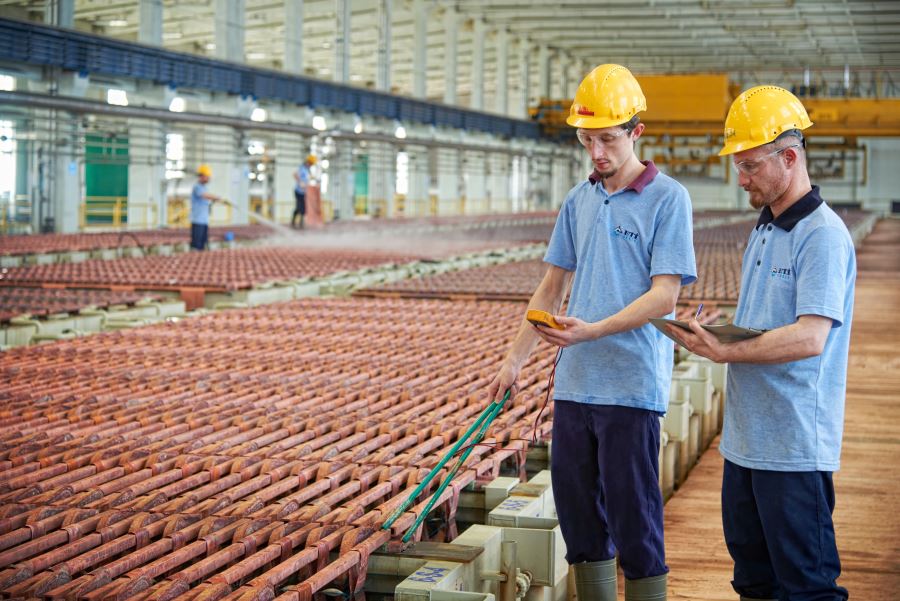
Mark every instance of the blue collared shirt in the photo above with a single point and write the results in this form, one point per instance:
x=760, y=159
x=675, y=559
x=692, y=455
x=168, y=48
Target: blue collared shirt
x=303, y=174
x=789, y=416
x=615, y=243
x=199, y=205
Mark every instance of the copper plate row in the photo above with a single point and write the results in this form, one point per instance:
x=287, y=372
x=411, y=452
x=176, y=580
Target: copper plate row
x=245, y=454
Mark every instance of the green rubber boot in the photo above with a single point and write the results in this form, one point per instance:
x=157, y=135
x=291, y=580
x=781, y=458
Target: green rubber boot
x=596, y=580
x=646, y=589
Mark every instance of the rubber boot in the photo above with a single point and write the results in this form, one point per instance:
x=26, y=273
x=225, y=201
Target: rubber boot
x=596, y=580
x=646, y=589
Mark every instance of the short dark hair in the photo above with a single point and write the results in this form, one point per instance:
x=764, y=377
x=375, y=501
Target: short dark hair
x=631, y=124
x=796, y=133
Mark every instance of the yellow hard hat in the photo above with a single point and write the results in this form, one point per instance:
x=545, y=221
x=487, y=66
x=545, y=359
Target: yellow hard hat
x=311, y=159
x=760, y=115
x=204, y=170
x=608, y=96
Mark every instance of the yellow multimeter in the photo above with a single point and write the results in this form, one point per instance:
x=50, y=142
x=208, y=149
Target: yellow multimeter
x=542, y=318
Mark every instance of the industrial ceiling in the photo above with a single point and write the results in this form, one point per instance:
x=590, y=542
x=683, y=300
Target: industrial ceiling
x=849, y=43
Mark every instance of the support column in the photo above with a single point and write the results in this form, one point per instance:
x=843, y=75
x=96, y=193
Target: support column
x=556, y=70
x=340, y=180
x=342, y=42
x=293, y=36
x=498, y=183
x=229, y=30
x=449, y=181
x=225, y=151
x=383, y=76
x=382, y=178
x=524, y=60
x=418, y=202
x=63, y=171
x=291, y=149
x=565, y=71
x=147, y=203
x=451, y=33
x=420, y=17
x=502, y=96
x=474, y=166
x=60, y=13
x=477, y=102
x=544, y=71
x=150, y=22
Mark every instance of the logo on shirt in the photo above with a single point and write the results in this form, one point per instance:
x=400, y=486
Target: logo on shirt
x=782, y=273
x=621, y=232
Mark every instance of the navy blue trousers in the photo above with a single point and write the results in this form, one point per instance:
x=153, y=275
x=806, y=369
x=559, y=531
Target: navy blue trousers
x=199, y=236
x=605, y=473
x=779, y=532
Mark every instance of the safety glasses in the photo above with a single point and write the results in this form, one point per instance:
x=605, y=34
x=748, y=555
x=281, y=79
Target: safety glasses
x=753, y=167
x=605, y=139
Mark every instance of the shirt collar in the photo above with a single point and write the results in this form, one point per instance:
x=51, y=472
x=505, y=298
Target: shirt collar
x=639, y=183
x=794, y=213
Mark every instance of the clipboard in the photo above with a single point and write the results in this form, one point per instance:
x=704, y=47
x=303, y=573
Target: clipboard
x=726, y=332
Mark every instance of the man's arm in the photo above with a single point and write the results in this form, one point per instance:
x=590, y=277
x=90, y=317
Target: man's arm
x=658, y=301
x=802, y=339
x=549, y=296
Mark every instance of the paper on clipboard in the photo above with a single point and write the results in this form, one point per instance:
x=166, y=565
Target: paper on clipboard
x=727, y=332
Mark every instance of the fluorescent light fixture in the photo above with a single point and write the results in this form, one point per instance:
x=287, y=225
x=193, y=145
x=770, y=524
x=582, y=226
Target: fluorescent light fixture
x=177, y=105
x=118, y=23
x=172, y=35
x=400, y=132
x=318, y=123
x=210, y=46
x=117, y=97
x=357, y=129
x=259, y=115
x=255, y=56
x=7, y=83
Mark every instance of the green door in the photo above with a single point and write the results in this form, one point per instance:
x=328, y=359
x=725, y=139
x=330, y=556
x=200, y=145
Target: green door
x=361, y=185
x=106, y=179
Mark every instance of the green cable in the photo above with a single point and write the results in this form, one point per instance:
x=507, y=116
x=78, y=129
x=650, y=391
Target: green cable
x=453, y=450
x=495, y=408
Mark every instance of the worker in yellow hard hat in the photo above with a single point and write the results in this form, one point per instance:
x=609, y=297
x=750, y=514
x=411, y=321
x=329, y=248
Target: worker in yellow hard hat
x=200, y=203
x=784, y=417
x=623, y=241
x=302, y=178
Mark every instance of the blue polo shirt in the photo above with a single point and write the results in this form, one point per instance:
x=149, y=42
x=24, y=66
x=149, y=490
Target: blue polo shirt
x=199, y=205
x=303, y=174
x=615, y=243
x=789, y=416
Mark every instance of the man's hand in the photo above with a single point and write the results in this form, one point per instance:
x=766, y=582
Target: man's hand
x=700, y=342
x=504, y=380
x=575, y=331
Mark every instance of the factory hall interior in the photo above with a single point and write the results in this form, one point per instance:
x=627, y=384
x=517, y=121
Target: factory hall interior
x=449, y=300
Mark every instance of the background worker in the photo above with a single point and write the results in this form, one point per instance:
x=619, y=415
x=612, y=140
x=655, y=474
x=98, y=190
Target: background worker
x=784, y=417
x=623, y=239
x=200, y=203
x=302, y=177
